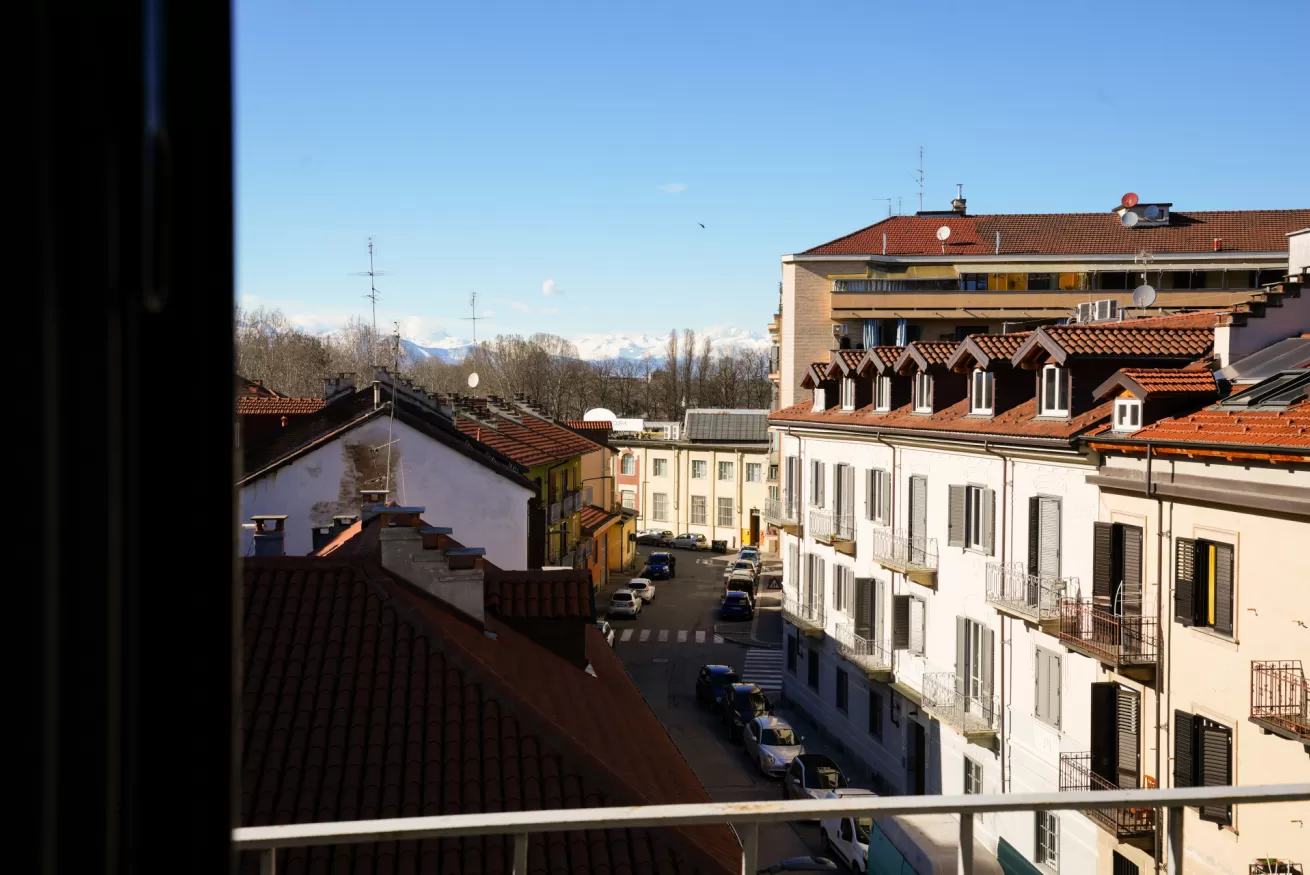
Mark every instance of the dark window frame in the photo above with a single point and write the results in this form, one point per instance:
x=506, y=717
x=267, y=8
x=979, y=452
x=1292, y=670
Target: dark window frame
x=842, y=692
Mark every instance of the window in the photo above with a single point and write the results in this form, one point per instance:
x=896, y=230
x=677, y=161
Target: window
x=972, y=777
x=629, y=498
x=1039, y=282
x=1116, y=735
x=816, y=482
x=1127, y=414
x=659, y=506
x=1047, y=694
x=1124, y=866
x=724, y=512
x=817, y=580
x=661, y=467
x=843, y=693
x=1203, y=757
x=847, y=394
x=792, y=652
x=773, y=474
x=843, y=493
x=587, y=496
x=819, y=402
x=875, y=715
x=922, y=393
x=1048, y=840
x=698, y=469
x=725, y=470
x=882, y=393
x=812, y=665
x=1117, y=567
x=982, y=388
x=754, y=472
x=1054, y=397
x=908, y=613
x=843, y=586
x=697, y=510
x=629, y=464
x=973, y=664
x=878, y=496
x=1043, y=537
x=970, y=522
x=791, y=485
x=1203, y=584
x=973, y=282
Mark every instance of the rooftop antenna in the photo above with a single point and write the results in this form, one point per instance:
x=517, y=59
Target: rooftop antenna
x=372, y=296
x=889, y=205
x=475, y=318
x=921, y=179
x=391, y=426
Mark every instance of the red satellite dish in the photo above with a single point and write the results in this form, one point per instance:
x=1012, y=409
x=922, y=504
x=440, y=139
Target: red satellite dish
x=1129, y=200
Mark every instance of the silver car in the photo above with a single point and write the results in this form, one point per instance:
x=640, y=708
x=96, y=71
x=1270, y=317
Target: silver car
x=772, y=744
x=625, y=603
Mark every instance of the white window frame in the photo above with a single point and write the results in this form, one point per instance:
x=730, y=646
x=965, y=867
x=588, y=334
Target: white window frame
x=918, y=648
x=628, y=498
x=1127, y=414
x=982, y=391
x=699, y=469
x=725, y=471
x=882, y=394
x=754, y=472
x=922, y=392
x=660, y=467
x=973, y=777
x=974, y=659
x=659, y=503
x=720, y=516
x=843, y=588
x=692, y=517
x=820, y=402
x=847, y=393
x=628, y=465
x=1056, y=378
x=975, y=498
x=1047, y=842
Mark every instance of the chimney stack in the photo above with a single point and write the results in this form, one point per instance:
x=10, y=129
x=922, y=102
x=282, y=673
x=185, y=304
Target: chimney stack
x=957, y=205
x=371, y=502
x=343, y=383
x=427, y=558
x=270, y=534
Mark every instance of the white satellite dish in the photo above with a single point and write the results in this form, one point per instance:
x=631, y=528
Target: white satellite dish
x=1130, y=219
x=1143, y=295
x=1152, y=212
x=599, y=414
x=943, y=233
x=473, y=380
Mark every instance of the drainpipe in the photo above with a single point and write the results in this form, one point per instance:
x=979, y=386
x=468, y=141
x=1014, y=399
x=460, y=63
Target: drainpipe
x=1005, y=508
x=741, y=479
x=1160, y=818
x=891, y=521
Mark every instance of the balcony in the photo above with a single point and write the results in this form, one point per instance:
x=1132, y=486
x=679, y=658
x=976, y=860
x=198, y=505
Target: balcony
x=1030, y=597
x=554, y=513
x=837, y=529
x=1270, y=866
x=572, y=503
x=1280, y=699
x=974, y=717
x=870, y=656
x=809, y=618
x=1076, y=776
x=780, y=513
x=915, y=557
x=1126, y=644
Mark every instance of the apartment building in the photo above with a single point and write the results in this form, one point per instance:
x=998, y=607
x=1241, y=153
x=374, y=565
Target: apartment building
x=942, y=275
x=710, y=481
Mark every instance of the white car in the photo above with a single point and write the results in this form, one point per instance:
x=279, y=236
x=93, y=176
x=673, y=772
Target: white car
x=771, y=743
x=625, y=603
x=741, y=566
x=642, y=587
x=606, y=631
x=848, y=837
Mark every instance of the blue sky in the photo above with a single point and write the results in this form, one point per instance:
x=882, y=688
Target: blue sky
x=494, y=146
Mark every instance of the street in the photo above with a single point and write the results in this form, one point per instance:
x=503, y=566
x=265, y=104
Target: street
x=663, y=650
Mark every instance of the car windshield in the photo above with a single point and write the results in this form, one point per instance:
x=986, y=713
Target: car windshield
x=636, y=584
x=622, y=596
x=782, y=737
x=863, y=826
x=824, y=778
x=658, y=559
x=723, y=679
x=738, y=585
x=754, y=703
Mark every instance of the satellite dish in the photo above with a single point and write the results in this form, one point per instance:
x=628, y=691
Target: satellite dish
x=943, y=232
x=1143, y=295
x=1130, y=219
x=473, y=380
x=599, y=414
x=1129, y=200
x=1152, y=212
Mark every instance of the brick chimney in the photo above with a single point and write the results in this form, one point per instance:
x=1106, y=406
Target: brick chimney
x=335, y=387
x=370, y=502
x=270, y=534
x=428, y=559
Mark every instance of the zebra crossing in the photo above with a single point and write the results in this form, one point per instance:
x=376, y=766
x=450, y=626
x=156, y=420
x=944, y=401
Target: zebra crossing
x=764, y=668
x=680, y=636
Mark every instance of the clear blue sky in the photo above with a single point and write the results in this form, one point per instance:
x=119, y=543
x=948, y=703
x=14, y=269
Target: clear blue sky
x=493, y=146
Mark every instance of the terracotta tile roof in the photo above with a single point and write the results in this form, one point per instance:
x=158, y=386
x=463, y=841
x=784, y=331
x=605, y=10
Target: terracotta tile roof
x=587, y=424
x=1194, y=319
x=264, y=405
x=1254, y=429
x=815, y=374
x=539, y=594
x=254, y=387
x=1072, y=234
x=521, y=435
x=363, y=698
x=1116, y=341
x=1145, y=383
x=594, y=518
x=880, y=359
x=984, y=349
x=924, y=354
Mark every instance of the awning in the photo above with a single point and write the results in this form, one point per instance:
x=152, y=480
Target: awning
x=1014, y=863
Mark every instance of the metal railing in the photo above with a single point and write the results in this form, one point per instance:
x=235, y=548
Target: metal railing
x=777, y=511
x=826, y=525
x=553, y=513
x=1280, y=697
x=890, y=285
x=572, y=503
x=864, y=652
x=800, y=613
x=1076, y=776
x=1112, y=638
x=893, y=546
x=944, y=698
x=1011, y=588
x=273, y=843
x=1270, y=866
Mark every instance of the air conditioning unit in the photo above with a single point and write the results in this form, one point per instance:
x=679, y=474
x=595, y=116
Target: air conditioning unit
x=1106, y=310
x=838, y=329
x=1086, y=313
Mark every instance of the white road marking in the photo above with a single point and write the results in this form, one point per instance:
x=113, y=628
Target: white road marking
x=700, y=637
x=626, y=636
x=763, y=667
x=718, y=639
x=682, y=636
x=664, y=636
x=645, y=635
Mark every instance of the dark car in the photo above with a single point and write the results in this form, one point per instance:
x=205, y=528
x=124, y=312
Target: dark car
x=741, y=583
x=736, y=606
x=711, y=683
x=655, y=537
x=660, y=566
x=742, y=703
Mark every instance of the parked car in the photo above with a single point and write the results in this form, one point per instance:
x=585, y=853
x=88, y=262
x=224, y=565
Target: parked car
x=625, y=603
x=660, y=566
x=848, y=837
x=751, y=555
x=741, y=583
x=655, y=537
x=812, y=776
x=688, y=541
x=741, y=566
x=742, y=703
x=605, y=629
x=711, y=683
x=736, y=606
x=642, y=587
x=772, y=744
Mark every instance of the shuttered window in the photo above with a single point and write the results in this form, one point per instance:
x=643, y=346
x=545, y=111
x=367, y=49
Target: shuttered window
x=816, y=483
x=877, y=496
x=791, y=485
x=969, y=523
x=1128, y=721
x=1117, y=567
x=878, y=610
x=901, y=622
x=845, y=481
x=842, y=585
x=1044, y=536
x=1047, y=695
x=1185, y=581
x=973, y=662
x=1130, y=594
x=864, y=607
x=918, y=528
x=1204, y=591
x=1203, y=757
x=1124, y=866
x=918, y=612
x=1184, y=749
x=1116, y=734
x=955, y=517
x=1102, y=548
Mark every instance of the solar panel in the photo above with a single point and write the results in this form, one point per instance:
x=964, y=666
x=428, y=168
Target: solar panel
x=1274, y=393
x=1294, y=352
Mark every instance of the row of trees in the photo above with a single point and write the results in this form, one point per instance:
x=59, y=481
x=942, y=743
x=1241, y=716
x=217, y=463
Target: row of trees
x=544, y=367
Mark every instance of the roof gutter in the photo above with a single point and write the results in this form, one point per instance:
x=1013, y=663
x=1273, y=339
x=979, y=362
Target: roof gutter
x=980, y=258
x=968, y=437
x=1130, y=445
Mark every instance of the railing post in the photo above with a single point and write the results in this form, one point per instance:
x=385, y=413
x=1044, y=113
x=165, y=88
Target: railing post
x=750, y=848
x=1176, y=840
x=268, y=862
x=964, y=856
x=520, y=854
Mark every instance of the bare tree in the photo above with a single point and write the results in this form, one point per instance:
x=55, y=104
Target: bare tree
x=671, y=375
x=688, y=363
x=703, y=374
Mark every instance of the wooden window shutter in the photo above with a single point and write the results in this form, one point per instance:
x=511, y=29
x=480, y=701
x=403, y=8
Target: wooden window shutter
x=1034, y=533
x=863, y=606
x=1132, y=571
x=1048, y=561
x=988, y=642
x=823, y=474
x=1216, y=744
x=879, y=609
x=1185, y=582
x=885, y=497
x=918, y=507
x=1042, y=685
x=917, y=609
x=868, y=494
x=900, y=622
x=955, y=522
x=1129, y=718
x=1184, y=749
x=989, y=516
x=1223, y=589
x=848, y=492
x=961, y=654
x=1102, y=548
x=1105, y=732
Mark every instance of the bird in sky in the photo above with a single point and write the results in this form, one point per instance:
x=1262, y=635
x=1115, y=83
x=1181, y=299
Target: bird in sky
x=702, y=224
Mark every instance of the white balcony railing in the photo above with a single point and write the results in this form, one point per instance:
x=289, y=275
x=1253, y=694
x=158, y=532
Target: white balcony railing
x=826, y=525
x=1011, y=588
x=864, y=652
x=898, y=550
x=798, y=613
x=779, y=512
x=746, y=817
x=554, y=512
x=945, y=700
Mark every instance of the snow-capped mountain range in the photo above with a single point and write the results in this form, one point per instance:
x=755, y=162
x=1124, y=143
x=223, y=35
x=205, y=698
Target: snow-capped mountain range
x=602, y=347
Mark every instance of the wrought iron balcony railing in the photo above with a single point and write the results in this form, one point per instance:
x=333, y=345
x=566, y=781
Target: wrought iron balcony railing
x=1034, y=597
x=779, y=512
x=945, y=698
x=827, y=525
x=1116, y=640
x=1270, y=866
x=805, y=615
x=1076, y=776
x=1280, y=698
x=916, y=556
x=869, y=655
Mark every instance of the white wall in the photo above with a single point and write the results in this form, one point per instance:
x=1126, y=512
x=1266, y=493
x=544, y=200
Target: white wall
x=484, y=508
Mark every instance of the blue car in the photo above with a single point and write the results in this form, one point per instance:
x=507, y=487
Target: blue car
x=659, y=566
x=736, y=606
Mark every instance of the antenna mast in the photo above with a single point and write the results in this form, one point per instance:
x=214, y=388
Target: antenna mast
x=475, y=318
x=372, y=295
x=921, y=179
x=889, y=204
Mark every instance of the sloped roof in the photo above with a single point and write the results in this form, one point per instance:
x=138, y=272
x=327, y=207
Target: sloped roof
x=517, y=432
x=1071, y=234
x=594, y=519
x=983, y=350
x=539, y=594
x=727, y=426
x=364, y=698
x=880, y=359
x=254, y=388
x=1062, y=342
x=845, y=362
x=924, y=354
x=1143, y=383
x=267, y=405
x=1251, y=430
x=815, y=374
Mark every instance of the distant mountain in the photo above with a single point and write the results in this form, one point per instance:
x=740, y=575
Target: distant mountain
x=447, y=349
x=602, y=347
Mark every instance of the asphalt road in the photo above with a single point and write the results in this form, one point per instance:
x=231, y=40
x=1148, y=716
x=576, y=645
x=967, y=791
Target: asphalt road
x=683, y=633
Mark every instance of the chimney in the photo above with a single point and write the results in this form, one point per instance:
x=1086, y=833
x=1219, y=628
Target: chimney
x=371, y=502
x=957, y=205
x=427, y=558
x=270, y=534
x=334, y=387
x=324, y=535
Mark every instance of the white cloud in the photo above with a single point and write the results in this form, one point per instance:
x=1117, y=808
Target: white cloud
x=548, y=288
x=550, y=311
x=487, y=314
x=520, y=306
x=673, y=187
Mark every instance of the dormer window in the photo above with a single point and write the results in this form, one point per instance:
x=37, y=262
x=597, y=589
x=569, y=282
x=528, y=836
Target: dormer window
x=882, y=394
x=1127, y=414
x=1054, y=397
x=847, y=394
x=982, y=389
x=819, y=403
x=922, y=393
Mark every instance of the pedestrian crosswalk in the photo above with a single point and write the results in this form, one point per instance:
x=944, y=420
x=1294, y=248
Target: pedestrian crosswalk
x=680, y=636
x=763, y=667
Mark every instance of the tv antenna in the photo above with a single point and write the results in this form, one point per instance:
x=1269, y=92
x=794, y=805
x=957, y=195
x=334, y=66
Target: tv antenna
x=921, y=179
x=889, y=204
x=372, y=296
x=475, y=318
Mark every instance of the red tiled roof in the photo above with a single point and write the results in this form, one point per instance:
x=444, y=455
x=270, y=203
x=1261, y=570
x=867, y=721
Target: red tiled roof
x=254, y=387
x=1072, y=234
x=880, y=358
x=363, y=699
x=1254, y=429
x=1162, y=383
x=1117, y=341
x=926, y=353
x=260, y=405
x=815, y=374
x=539, y=594
x=595, y=518
x=588, y=424
x=1195, y=319
x=522, y=436
x=991, y=347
